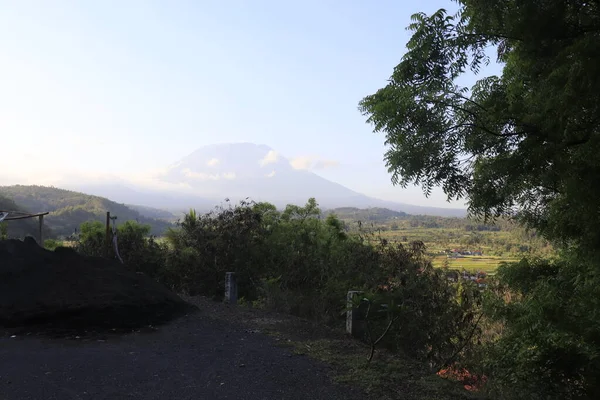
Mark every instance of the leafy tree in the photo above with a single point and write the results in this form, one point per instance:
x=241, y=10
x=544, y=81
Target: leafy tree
x=524, y=144
x=92, y=239
x=526, y=140
x=138, y=250
x=226, y=239
x=311, y=209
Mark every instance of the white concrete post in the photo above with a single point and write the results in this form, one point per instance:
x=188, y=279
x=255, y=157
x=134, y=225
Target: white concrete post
x=353, y=314
x=231, y=292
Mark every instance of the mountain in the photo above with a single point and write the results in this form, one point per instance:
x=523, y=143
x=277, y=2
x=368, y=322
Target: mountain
x=237, y=171
x=69, y=209
x=207, y=176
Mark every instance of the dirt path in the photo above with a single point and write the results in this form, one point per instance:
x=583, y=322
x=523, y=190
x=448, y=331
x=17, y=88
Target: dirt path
x=195, y=357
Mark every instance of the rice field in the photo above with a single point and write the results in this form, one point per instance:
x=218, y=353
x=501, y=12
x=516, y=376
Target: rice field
x=437, y=240
x=487, y=264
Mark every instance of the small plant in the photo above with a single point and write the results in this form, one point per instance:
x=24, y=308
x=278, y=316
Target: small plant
x=3, y=230
x=52, y=244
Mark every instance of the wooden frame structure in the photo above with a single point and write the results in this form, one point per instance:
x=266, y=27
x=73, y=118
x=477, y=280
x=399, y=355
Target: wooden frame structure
x=15, y=215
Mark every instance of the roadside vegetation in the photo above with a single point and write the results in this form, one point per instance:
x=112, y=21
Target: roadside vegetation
x=295, y=261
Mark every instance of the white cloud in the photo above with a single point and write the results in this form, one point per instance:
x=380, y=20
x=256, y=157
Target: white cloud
x=312, y=163
x=270, y=158
x=271, y=174
x=175, y=165
x=324, y=164
x=301, y=162
x=213, y=162
x=203, y=176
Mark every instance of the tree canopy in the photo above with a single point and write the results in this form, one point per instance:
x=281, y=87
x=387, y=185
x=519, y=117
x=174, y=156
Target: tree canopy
x=526, y=144
x=526, y=141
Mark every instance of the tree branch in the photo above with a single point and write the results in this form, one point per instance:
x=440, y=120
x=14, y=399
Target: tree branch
x=370, y=337
x=483, y=128
x=461, y=348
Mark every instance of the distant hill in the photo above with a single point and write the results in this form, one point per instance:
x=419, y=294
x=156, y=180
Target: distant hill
x=385, y=218
x=69, y=209
x=23, y=227
x=151, y=212
x=369, y=214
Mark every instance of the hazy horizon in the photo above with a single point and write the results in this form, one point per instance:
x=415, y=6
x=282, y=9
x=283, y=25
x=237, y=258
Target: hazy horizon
x=101, y=90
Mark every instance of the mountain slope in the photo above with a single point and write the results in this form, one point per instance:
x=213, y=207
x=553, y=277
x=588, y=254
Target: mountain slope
x=151, y=212
x=172, y=202
x=69, y=209
x=22, y=227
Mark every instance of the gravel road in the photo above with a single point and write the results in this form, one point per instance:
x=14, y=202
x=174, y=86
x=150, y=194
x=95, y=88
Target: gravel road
x=194, y=357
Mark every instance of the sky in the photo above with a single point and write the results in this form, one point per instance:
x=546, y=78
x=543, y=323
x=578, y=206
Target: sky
x=125, y=87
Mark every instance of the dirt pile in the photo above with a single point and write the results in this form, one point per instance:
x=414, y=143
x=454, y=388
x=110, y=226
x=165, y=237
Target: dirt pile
x=63, y=288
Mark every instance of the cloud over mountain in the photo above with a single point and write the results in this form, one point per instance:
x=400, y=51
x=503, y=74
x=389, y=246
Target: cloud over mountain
x=270, y=158
x=310, y=163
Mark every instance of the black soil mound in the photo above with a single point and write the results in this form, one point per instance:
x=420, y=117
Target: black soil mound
x=65, y=290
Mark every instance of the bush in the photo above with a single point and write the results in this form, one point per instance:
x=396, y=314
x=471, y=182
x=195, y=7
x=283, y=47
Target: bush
x=3, y=230
x=138, y=251
x=428, y=317
x=91, y=240
x=52, y=244
x=550, y=344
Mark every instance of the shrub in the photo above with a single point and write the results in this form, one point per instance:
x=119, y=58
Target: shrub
x=549, y=345
x=52, y=244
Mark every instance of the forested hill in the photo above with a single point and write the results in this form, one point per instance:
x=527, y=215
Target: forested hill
x=383, y=217
x=154, y=213
x=23, y=227
x=68, y=209
x=367, y=214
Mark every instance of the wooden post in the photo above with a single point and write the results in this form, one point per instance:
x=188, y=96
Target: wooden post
x=41, y=236
x=230, y=288
x=107, y=238
x=355, y=322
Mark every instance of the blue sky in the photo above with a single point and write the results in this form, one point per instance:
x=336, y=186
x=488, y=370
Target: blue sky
x=124, y=87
